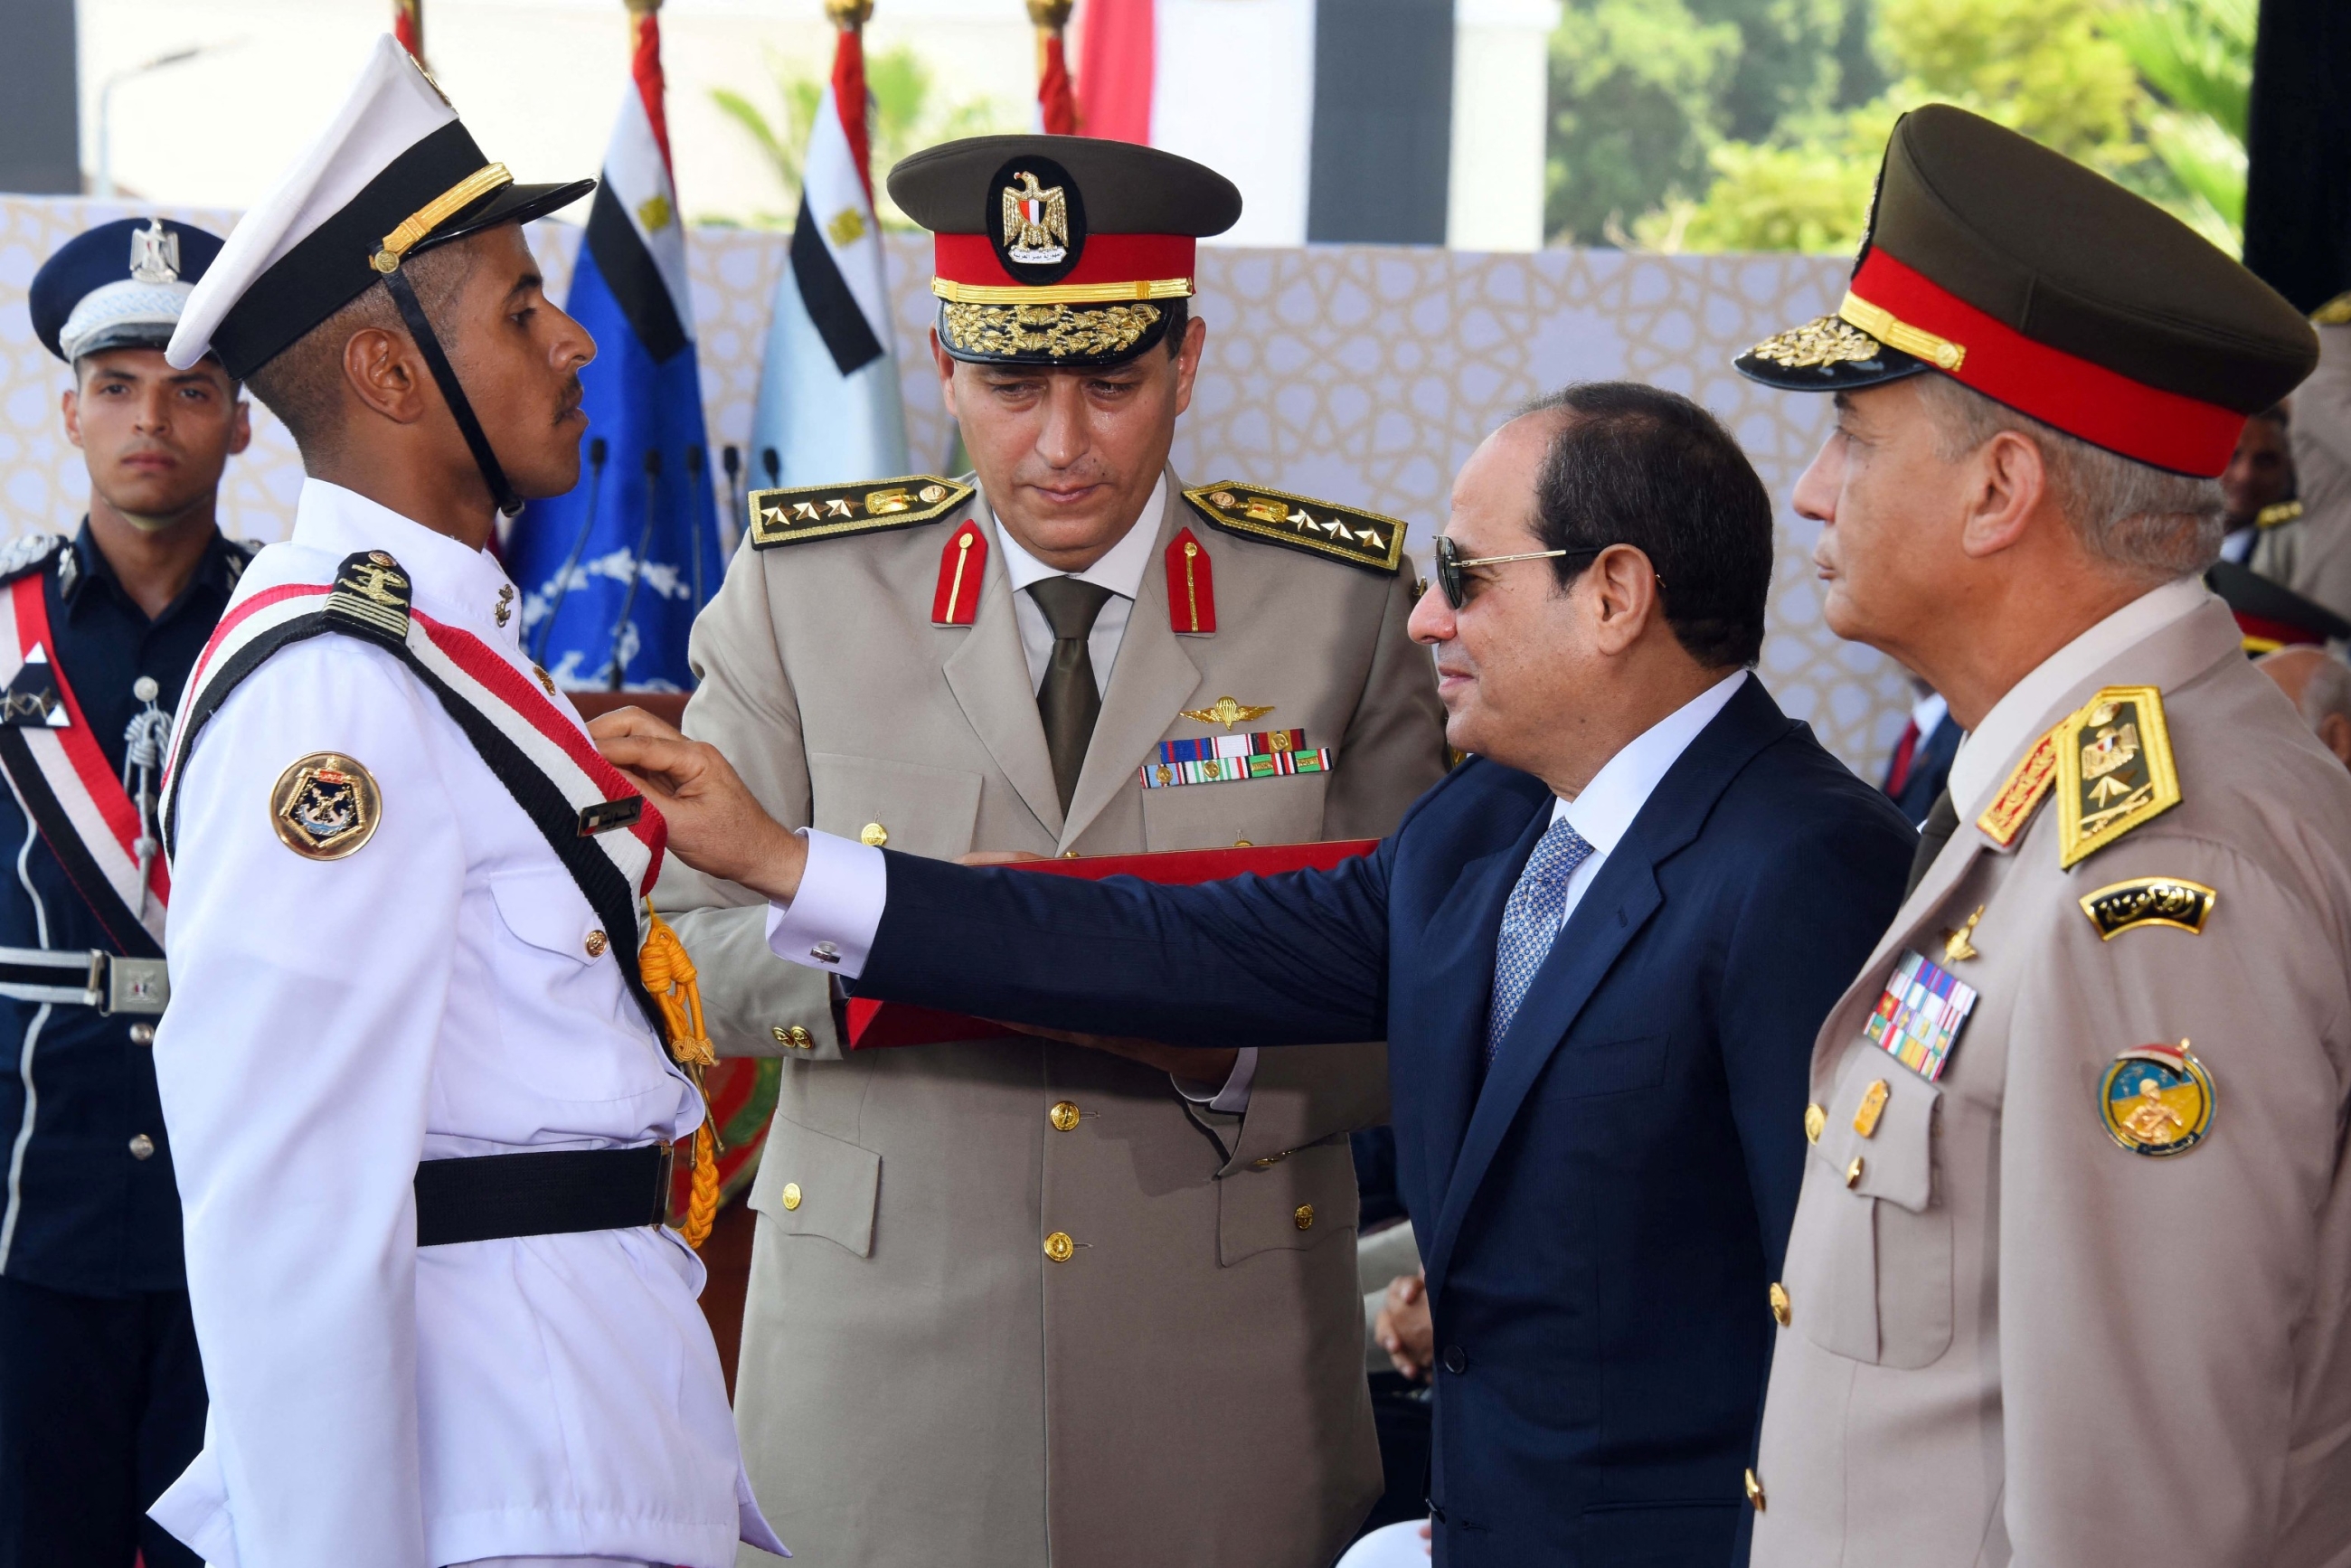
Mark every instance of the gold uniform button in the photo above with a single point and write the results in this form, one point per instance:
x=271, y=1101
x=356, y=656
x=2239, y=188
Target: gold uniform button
x=1064, y=1115
x=142, y=1147
x=796, y=1037
x=1754, y=1492
x=1059, y=1248
x=1780, y=1304
x=1816, y=1122
x=595, y=944
x=873, y=833
x=1304, y=1216
x=1853, y=1172
x=1243, y=844
x=791, y=1194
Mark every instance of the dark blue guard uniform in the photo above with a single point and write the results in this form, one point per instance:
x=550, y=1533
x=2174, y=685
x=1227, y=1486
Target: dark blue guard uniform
x=102, y=1394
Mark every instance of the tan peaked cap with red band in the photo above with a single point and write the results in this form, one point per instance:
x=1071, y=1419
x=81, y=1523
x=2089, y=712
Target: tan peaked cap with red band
x=2049, y=289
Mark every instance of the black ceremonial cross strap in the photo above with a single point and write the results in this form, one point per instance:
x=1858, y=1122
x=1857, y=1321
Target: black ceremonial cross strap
x=551, y=812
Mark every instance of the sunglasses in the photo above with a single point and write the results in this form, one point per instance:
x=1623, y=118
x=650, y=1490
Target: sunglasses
x=1451, y=563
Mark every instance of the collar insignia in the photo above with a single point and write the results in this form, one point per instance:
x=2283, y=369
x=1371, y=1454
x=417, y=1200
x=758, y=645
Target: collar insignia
x=833, y=511
x=2013, y=806
x=2114, y=771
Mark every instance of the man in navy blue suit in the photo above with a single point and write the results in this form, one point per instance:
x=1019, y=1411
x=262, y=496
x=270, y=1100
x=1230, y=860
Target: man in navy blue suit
x=1601, y=950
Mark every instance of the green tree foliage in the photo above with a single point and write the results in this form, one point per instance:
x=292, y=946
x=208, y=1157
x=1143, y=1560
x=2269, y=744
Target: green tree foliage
x=2150, y=92
x=908, y=116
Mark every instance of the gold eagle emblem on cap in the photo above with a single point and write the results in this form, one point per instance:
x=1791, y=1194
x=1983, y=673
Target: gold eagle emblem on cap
x=1036, y=221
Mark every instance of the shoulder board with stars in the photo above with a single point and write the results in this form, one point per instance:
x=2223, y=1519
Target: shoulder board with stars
x=1319, y=527
x=2272, y=515
x=794, y=517
x=27, y=551
x=2114, y=771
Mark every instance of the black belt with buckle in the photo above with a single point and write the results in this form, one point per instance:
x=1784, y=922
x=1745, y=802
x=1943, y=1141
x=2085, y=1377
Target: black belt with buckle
x=487, y=1197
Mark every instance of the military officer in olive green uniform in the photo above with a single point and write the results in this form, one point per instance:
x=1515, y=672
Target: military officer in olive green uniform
x=2070, y=1279
x=1013, y=1307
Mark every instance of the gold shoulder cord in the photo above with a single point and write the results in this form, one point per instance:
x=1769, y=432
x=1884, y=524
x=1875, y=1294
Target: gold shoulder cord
x=669, y=976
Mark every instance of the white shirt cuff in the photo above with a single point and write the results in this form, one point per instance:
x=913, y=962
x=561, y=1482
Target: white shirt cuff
x=831, y=924
x=1234, y=1097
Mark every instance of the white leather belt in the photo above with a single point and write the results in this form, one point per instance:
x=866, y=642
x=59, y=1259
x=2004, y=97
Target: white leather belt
x=90, y=978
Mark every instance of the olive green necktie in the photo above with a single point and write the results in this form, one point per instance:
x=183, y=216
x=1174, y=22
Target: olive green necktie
x=1069, y=701
x=1942, y=822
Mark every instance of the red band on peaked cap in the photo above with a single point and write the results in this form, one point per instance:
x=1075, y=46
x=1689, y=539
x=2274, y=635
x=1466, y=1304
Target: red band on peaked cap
x=1107, y=258
x=2104, y=407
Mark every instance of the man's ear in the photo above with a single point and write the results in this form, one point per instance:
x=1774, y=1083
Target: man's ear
x=1624, y=585
x=1187, y=360
x=71, y=407
x=2334, y=734
x=2006, y=483
x=946, y=364
x=240, y=427
x=381, y=369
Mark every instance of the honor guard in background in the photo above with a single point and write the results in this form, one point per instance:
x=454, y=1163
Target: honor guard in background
x=101, y=1398
x=2070, y=1278
x=1013, y=1306
x=413, y=1078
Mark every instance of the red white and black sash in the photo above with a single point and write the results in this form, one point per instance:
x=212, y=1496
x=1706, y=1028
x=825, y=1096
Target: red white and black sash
x=63, y=782
x=603, y=831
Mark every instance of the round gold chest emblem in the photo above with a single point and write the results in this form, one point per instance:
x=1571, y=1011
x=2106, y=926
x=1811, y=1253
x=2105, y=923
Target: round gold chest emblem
x=325, y=806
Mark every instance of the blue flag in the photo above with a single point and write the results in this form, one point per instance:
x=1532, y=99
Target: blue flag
x=613, y=573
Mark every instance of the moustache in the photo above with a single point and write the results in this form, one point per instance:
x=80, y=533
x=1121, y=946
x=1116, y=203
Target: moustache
x=574, y=395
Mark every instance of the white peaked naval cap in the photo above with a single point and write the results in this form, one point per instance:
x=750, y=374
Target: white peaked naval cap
x=395, y=173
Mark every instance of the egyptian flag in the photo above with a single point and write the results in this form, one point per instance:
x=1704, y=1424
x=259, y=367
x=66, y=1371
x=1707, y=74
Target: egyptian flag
x=1057, y=100
x=408, y=26
x=1118, y=64
x=613, y=573
x=828, y=407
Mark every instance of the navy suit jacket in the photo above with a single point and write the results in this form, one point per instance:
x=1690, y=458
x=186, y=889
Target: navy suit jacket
x=1603, y=1210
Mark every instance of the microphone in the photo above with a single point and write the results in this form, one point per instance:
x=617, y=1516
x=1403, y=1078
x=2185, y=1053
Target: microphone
x=636, y=562
x=775, y=469
x=597, y=451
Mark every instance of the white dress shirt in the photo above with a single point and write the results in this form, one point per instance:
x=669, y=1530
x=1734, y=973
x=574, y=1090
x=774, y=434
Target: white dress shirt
x=1120, y=569
x=444, y=991
x=1993, y=746
x=832, y=924
x=1603, y=812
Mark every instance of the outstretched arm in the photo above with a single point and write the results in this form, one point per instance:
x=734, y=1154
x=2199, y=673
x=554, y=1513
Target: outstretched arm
x=1253, y=961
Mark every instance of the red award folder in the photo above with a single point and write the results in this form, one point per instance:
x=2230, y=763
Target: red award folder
x=874, y=1024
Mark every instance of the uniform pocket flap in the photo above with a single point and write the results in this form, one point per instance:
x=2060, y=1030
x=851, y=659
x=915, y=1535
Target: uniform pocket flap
x=1895, y=1158
x=929, y=811
x=545, y=909
x=1292, y=1202
x=812, y=1184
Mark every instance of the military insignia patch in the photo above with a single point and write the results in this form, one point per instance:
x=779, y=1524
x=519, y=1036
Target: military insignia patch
x=32, y=699
x=371, y=591
x=1919, y=1017
x=868, y=507
x=2013, y=806
x=325, y=806
x=2170, y=901
x=2156, y=1100
x=1360, y=539
x=2114, y=771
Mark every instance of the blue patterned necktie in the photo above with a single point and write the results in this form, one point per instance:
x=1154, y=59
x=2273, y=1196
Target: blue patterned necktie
x=1530, y=924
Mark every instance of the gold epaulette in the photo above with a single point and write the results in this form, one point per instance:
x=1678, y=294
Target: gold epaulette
x=2282, y=512
x=2014, y=805
x=2114, y=771
x=1319, y=527
x=862, y=507
x=2334, y=313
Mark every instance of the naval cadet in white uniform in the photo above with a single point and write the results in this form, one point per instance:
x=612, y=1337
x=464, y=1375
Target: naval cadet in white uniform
x=422, y=1113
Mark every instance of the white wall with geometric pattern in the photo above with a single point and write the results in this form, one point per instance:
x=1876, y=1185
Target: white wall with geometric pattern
x=1361, y=373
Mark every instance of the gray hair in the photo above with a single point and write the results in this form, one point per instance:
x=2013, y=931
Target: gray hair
x=2327, y=691
x=2123, y=511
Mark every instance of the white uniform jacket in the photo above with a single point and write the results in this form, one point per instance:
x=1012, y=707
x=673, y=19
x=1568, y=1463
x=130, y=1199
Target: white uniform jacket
x=440, y=992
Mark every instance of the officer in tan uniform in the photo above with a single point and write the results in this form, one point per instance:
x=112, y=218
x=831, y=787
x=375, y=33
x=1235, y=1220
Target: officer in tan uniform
x=1043, y=1304
x=2068, y=1279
